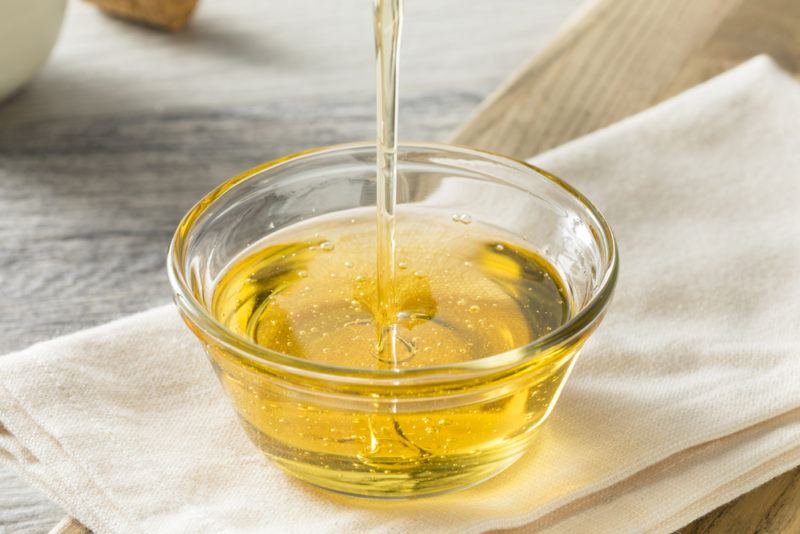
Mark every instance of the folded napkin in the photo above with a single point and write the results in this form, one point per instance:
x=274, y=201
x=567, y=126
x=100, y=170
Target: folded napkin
x=687, y=396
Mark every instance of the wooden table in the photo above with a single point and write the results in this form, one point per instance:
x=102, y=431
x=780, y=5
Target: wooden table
x=94, y=192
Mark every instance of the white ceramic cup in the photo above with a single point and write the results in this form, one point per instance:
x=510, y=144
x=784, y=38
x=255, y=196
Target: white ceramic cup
x=28, y=31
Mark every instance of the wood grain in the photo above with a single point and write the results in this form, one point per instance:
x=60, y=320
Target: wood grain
x=247, y=53
x=755, y=27
x=618, y=57
x=170, y=15
x=773, y=507
x=612, y=61
x=69, y=525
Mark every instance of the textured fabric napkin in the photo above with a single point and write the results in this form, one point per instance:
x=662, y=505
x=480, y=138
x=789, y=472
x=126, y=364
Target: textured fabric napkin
x=687, y=396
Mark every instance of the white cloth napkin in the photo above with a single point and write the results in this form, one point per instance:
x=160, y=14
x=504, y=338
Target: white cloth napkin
x=687, y=396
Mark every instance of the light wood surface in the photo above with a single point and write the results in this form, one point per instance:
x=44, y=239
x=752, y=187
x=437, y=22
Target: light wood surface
x=618, y=57
x=171, y=15
x=126, y=127
x=615, y=57
x=68, y=525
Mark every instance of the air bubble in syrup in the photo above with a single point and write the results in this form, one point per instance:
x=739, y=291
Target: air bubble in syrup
x=463, y=218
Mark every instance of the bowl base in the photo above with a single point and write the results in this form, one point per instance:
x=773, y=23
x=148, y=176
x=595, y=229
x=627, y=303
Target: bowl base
x=394, y=480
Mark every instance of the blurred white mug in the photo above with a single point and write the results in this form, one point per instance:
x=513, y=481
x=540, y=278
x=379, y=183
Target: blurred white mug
x=28, y=31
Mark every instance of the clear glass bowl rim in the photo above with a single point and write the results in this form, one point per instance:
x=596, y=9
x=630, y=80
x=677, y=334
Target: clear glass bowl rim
x=586, y=317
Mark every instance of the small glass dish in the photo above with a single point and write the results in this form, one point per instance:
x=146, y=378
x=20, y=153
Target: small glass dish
x=317, y=420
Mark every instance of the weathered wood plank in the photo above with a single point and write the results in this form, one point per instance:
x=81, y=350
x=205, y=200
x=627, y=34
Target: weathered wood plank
x=755, y=27
x=69, y=525
x=771, y=508
x=612, y=61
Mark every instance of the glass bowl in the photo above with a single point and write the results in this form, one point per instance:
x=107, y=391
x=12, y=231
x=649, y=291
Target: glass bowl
x=394, y=433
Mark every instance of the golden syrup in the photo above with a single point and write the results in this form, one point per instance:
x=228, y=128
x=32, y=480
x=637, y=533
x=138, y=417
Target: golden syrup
x=463, y=292
x=388, y=23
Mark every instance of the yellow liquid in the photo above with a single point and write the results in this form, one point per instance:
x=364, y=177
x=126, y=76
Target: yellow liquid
x=388, y=22
x=463, y=292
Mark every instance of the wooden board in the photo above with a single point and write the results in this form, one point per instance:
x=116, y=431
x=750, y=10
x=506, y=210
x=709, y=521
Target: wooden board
x=615, y=58
x=618, y=57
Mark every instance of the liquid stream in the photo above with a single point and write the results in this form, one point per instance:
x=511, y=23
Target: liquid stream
x=388, y=22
